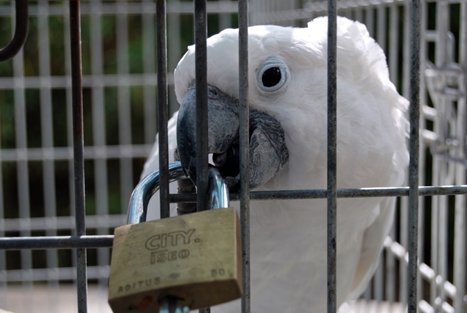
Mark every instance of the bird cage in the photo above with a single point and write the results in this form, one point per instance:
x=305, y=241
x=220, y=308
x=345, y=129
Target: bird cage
x=38, y=177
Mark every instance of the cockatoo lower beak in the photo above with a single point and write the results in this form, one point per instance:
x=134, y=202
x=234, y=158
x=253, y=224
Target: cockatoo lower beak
x=268, y=152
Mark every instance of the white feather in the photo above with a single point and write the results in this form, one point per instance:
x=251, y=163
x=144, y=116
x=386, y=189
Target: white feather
x=288, y=238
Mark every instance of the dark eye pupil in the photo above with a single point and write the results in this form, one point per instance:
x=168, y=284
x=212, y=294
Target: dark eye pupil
x=271, y=77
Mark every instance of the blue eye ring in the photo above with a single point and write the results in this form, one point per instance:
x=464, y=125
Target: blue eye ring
x=273, y=75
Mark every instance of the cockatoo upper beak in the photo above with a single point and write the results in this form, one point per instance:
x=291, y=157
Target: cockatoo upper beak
x=268, y=153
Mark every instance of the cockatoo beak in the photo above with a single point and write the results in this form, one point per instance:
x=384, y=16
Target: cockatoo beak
x=268, y=153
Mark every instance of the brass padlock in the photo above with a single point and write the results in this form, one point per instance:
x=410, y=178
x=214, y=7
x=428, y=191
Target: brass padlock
x=194, y=258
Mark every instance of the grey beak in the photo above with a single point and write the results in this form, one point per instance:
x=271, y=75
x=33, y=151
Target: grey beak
x=268, y=152
x=222, y=126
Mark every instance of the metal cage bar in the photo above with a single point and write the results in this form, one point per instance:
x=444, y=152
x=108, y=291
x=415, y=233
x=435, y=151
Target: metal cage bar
x=244, y=151
x=332, y=157
x=162, y=105
x=414, y=148
x=47, y=137
x=21, y=130
x=201, y=71
x=124, y=102
x=101, y=189
x=460, y=210
x=201, y=105
x=78, y=144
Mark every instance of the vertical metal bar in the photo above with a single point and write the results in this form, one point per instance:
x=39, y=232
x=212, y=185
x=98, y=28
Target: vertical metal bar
x=460, y=210
x=414, y=153
x=379, y=281
x=359, y=14
x=244, y=150
x=422, y=153
x=367, y=293
x=3, y=278
x=439, y=172
x=345, y=12
x=47, y=143
x=22, y=167
x=297, y=5
x=99, y=129
x=435, y=223
x=174, y=51
x=162, y=106
x=201, y=105
x=264, y=7
x=78, y=143
x=69, y=110
x=442, y=58
x=393, y=46
x=46, y=113
x=406, y=52
x=442, y=234
x=201, y=109
x=255, y=9
x=370, y=20
x=381, y=24
x=403, y=234
x=390, y=271
x=393, y=42
x=149, y=67
x=225, y=20
x=332, y=155
x=124, y=103
x=460, y=220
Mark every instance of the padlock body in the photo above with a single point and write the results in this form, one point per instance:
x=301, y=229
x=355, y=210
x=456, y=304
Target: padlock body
x=195, y=257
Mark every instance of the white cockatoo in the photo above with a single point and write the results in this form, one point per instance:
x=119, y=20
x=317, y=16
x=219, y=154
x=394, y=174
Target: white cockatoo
x=288, y=126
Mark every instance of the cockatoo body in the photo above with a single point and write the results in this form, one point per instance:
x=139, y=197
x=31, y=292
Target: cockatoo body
x=287, y=82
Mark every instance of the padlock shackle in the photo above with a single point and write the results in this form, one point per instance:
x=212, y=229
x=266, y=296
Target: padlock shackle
x=218, y=189
x=149, y=185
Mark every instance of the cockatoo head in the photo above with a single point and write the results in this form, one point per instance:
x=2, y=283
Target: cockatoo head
x=288, y=99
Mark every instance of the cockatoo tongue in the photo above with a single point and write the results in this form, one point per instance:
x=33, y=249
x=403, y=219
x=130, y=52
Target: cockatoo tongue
x=268, y=153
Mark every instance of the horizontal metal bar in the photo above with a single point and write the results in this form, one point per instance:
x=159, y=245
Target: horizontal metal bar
x=89, y=81
x=60, y=222
x=52, y=274
x=311, y=7
x=56, y=242
x=66, y=153
x=67, y=222
x=130, y=9
x=341, y=193
x=397, y=250
x=106, y=240
x=318, y=7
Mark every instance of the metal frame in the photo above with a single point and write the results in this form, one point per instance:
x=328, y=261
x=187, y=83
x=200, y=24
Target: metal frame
x=81, y=241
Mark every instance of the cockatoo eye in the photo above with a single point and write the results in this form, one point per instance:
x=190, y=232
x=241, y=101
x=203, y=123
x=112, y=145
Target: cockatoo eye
x=273, y=75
